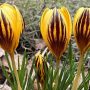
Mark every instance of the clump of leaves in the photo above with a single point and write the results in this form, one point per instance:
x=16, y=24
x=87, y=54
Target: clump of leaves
x=56, y=79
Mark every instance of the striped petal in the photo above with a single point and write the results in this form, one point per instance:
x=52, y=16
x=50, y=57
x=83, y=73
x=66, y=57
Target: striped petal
x=68, y=21
x=81, y=27
x=11, y=26
x=56, y=30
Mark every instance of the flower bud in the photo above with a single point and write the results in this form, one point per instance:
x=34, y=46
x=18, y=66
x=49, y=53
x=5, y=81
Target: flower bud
x=81, y=28
x=41, y=66
x=11, y=26
x=56, y=29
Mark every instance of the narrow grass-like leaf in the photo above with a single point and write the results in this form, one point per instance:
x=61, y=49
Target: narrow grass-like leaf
x=10, y=67
x=87, y=79
x=6, y=75
x=70, y=55
x=30, y=80
x=60, y=77
x=51, y=78
x=70, y=78
x=22, y=73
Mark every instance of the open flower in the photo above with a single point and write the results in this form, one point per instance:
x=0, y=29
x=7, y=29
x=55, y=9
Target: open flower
x=56, y=29
x=81, y=27
x=11, y=25
x=41, y=66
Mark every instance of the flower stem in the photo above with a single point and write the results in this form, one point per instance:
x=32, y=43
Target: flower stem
x=77, y=78
x=15, y=71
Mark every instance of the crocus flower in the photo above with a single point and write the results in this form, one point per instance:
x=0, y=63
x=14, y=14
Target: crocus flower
x=41, y=65
x=11, y=26
x=81, y=28
x=56, y=30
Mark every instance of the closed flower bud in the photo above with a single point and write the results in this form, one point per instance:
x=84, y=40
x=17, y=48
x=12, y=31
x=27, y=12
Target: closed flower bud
x=11, y=25
x=41, y=66
x=56, y=29
x=81, y=27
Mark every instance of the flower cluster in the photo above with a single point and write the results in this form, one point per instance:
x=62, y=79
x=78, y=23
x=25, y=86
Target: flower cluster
x=56, y=30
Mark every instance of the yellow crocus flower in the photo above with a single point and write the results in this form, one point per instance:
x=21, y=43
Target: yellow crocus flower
x=56, y=30
x=81, y=26
x=11, y=26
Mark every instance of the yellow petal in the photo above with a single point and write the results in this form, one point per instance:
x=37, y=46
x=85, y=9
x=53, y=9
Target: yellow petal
x=45, y=19
x=67, y=17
